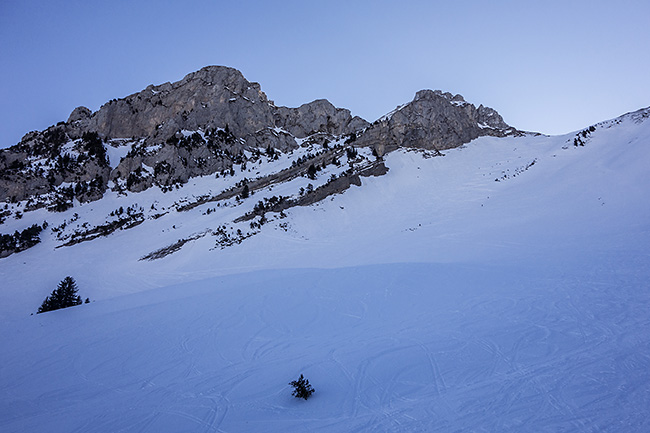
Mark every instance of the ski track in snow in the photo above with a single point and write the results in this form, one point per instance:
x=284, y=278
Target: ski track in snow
x=537, y=357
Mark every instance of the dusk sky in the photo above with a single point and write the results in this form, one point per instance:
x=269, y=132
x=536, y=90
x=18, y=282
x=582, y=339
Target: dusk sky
x=551, y=66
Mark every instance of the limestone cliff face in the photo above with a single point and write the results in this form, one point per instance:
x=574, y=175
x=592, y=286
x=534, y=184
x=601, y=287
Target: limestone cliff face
x=317, y=116
x=214, y=96
x=433, y=120
x=205, y=124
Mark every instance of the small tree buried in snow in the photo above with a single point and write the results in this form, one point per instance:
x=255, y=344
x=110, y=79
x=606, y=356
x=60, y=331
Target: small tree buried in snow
x=301, y=388
x=65, y=295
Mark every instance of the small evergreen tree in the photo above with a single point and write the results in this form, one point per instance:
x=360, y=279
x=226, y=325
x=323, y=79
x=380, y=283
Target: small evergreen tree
x=65, y=295
x=301, y=388
x=311, y=172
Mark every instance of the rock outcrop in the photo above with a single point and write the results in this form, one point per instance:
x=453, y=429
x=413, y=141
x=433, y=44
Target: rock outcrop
x=433, y=120
x=317, y=116
x=212, y=97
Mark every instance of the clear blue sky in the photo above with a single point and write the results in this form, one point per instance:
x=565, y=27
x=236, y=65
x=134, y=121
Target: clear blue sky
x=548, y=66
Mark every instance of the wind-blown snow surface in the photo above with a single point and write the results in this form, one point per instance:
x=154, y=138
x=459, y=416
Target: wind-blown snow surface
x=433, y=298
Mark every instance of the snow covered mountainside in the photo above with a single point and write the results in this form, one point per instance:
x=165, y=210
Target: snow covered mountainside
x=497, y=286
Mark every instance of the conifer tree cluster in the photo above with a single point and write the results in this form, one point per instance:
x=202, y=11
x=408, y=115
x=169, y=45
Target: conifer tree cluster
x=20, y=241
x=65, y=295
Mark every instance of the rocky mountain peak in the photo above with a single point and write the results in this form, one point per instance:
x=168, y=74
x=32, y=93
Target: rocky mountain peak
x=214, y=96
x=433, y=120
x=79, y=114
x=428, y=94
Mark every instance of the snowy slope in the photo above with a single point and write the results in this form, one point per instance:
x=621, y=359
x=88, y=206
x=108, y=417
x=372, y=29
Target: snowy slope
x=501, y=287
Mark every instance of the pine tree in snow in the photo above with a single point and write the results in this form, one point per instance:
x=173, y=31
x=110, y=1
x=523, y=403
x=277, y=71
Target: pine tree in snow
x=301, y=388
x=65, y=295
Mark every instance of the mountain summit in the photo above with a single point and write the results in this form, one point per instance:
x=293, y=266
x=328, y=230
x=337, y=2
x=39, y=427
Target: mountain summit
x=145, y=136
x=213, y=97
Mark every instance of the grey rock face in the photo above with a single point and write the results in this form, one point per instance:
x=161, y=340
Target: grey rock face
x=20, y=185
x=433, y=120
x=79, y=113
x=317, y=116
x=214, y=96
x=78, y=122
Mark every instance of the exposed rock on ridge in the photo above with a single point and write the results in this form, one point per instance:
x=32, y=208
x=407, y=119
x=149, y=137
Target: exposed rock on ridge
x=317, y=116
x=433, y=120
x=212, y=97
x=205, y=124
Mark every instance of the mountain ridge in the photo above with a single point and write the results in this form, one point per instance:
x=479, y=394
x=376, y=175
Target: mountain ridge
x=237, y=116
x=307, y=152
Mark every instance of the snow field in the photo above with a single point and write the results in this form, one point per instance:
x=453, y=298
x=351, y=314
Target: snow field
x=433, y=298
x=402, y=347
